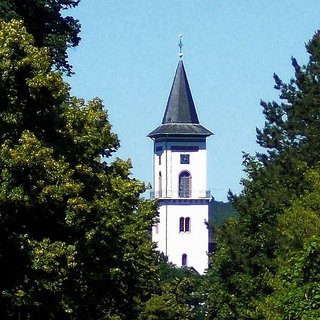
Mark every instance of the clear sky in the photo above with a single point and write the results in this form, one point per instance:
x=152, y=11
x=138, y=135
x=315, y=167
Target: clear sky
x=129, y=53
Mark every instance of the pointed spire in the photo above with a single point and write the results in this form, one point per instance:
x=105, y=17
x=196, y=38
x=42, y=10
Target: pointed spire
x=180, y=117
x=180, y=107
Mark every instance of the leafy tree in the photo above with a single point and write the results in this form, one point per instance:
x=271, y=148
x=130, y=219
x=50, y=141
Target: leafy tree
x=246, y=257
x=301, y=221
x=180, y=295
x=293, y=124
x=295, y=284
x=304, y=289
x=49, y=27
x=73, y=230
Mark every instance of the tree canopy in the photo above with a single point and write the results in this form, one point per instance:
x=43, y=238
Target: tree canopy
x=74, y=231
x=47, y=24
x=255, y=270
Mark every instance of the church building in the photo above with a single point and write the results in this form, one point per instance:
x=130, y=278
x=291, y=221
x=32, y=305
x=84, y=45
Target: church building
x=180, y=179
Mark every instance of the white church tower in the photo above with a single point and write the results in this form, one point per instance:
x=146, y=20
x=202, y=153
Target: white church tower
x=180, y=179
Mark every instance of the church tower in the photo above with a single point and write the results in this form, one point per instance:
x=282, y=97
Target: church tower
x=180, y=179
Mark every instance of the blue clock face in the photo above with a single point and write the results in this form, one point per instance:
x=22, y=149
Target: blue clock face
x=184, y=158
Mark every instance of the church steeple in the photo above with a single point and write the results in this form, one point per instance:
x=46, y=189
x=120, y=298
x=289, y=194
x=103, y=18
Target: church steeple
x=180, y=117
x=180, y=178
x=180, y=107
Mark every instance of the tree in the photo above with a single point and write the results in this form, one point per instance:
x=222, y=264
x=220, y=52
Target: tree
x=275, y=180
x=180, y=295
x=295, y=284
x=51, y=29
x=74, y=240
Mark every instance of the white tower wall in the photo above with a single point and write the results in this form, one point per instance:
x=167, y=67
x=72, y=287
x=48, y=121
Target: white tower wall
x=169, y=167
x=175, y=243
x=168, y=235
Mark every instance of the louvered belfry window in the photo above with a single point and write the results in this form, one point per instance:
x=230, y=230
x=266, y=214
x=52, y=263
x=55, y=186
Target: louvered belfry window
x=184, y=184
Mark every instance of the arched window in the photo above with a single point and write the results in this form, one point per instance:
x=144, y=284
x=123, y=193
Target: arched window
x=184, y=224
x=184, y=184
x=160, y=185
x=184, y=260
x=181, y=224
x=187, y=224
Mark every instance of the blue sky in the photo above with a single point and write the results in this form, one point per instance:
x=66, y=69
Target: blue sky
x=129, y=53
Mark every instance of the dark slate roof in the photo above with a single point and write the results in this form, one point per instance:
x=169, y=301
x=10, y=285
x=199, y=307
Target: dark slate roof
x=180, y=129
x=180, y=107
x=180, y=117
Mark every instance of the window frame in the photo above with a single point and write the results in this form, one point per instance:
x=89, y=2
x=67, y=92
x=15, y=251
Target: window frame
x=187, y=224
x=184, y=225
x=184, y=260
x=160, y=184
x=181, y=224
x=184, y=183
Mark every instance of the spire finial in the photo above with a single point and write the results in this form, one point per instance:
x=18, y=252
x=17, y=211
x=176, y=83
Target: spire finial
x=180, y=46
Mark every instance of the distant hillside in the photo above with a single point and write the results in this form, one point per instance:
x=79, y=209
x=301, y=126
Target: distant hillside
x=219, y=211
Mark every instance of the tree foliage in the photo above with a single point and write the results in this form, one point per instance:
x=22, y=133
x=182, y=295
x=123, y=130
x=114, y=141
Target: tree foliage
x=246, y=263
x=296, y=289
x=180, y=295
x=47, y=24
x=74, y=240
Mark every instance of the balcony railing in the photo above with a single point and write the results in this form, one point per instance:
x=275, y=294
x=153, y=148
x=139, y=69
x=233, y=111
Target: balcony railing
x=176, y=194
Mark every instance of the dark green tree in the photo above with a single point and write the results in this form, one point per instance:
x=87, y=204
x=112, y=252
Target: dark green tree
x=48, y=25
x=180, y=295
x=295, y=285
x=74, y=240
x=246, y=257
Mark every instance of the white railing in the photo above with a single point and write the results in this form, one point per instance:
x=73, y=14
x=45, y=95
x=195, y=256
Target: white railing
x=176, y=194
